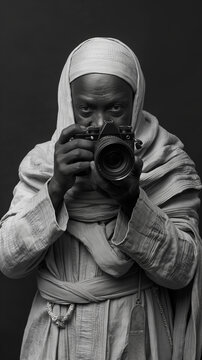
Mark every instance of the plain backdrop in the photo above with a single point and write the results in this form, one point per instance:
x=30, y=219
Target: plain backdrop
x=36, y=37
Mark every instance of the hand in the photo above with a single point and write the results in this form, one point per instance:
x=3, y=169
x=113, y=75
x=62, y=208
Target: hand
x=125, y=191
x=71, y=157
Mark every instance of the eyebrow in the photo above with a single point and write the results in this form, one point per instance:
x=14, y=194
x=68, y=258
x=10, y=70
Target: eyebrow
x=116, y=98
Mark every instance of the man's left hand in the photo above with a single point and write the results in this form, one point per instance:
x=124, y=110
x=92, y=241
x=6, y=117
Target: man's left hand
x=125, y=191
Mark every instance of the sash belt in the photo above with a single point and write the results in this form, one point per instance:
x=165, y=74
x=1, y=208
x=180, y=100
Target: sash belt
x=87, y=291
x=99, y=289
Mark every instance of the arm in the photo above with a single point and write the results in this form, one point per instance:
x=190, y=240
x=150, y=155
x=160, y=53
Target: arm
x=28, y=230
x=163, y=241
x=38, y=216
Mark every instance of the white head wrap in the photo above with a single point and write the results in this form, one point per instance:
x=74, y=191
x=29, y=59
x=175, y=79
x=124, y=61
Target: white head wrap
x=105, y=56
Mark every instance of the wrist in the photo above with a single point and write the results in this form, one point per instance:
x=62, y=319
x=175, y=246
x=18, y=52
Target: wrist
x=56, y=193
x=129, y=203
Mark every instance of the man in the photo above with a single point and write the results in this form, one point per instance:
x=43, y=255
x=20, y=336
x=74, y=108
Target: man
x=107, y=251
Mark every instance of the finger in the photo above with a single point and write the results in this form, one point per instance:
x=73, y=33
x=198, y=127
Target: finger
x=75, y=144
x=76, y=155
x=68, y=132
x=98, y=179
x=76, y=168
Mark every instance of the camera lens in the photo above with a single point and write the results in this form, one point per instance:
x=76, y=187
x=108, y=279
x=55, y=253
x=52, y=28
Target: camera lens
x=114, y=158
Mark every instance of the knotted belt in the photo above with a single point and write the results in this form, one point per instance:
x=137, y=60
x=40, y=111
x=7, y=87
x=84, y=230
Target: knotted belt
x=99, y=289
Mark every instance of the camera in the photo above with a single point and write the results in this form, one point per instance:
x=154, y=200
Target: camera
x=114, y=149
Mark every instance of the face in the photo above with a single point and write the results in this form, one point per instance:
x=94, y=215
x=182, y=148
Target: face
x=101, y=97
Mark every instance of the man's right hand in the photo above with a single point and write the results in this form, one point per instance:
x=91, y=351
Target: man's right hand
x=71, y=157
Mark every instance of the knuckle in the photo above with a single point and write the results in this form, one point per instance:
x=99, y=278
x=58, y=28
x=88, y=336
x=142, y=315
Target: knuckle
x=59, y=161
x=57, y=158
x=76, y=143
x=61, y=168
x=56, y=146
x=67, y=130
x=56, y=152
x=78, y=165
x=64, y=131
x=57, y=149
x=77, y=152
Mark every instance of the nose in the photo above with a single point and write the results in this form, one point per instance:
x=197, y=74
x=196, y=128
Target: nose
x=99, y=119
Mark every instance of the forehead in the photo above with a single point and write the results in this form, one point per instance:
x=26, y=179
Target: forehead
x=100, y=84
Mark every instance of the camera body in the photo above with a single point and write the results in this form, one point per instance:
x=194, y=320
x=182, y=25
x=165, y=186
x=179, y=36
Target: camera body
x=114, y=149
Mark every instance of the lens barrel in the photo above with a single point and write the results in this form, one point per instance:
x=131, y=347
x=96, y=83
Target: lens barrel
x=114, y=157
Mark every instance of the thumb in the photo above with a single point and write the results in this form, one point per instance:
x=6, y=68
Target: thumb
x=138, y=166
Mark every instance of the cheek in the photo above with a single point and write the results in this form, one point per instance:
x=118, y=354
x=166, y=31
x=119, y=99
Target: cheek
x=77, y=117
x=126, y=118
x=78, y=120
x=129, y=114
x=81, y=121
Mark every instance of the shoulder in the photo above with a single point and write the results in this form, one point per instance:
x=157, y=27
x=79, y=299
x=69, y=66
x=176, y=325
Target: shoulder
x=38, y=163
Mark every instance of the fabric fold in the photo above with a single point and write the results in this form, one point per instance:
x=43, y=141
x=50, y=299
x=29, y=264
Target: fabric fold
x=96, y=289
x=93, y=237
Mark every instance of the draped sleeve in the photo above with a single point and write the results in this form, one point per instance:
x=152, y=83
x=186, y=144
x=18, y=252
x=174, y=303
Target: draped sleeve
x=163, y=241
x=30, y=226
x=162, y=234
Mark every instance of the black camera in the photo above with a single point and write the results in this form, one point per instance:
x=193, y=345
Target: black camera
x=114, y=149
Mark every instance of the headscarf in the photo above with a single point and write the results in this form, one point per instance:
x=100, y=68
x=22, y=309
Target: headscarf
x=104, y=56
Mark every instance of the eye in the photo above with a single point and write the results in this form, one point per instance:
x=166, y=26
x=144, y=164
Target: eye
x=85, y=110
x=116, y=109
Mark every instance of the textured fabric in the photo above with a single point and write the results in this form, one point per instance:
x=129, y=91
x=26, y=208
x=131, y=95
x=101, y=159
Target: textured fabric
x=161, y=237
x=94, y=325
x=105, y=57
x=63, y=251
x=98, y=289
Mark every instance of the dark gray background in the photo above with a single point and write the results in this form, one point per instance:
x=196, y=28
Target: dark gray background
x=36, y=37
